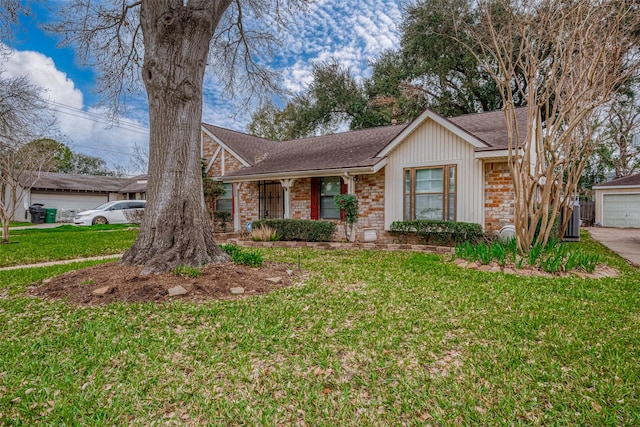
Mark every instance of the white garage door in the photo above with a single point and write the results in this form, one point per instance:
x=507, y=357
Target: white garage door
x=621, y=210
x=68, y=204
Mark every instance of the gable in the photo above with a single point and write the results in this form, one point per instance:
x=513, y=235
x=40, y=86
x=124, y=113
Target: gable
x=430, y=117
x=219, y=159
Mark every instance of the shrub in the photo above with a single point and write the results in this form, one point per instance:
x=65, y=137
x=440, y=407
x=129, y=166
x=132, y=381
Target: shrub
x=440, y=232
x=299, y=229
x=187, y=271
x=220, y=220
x=252, y=258
x=134, y=216
x=347, y=204
x=264, y=233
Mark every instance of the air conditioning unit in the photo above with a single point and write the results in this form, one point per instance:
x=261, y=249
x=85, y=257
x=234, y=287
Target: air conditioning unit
x=635, y=140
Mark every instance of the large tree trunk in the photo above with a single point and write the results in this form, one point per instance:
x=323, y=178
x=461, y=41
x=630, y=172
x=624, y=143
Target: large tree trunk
x=176, y=229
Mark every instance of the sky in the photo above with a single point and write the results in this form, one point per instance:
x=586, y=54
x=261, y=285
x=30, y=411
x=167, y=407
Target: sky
x=353, y=32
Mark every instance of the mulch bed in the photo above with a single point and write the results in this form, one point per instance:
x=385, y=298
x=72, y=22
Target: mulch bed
x=112, y=282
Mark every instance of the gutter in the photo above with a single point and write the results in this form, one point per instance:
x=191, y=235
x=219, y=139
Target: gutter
x=365, y=170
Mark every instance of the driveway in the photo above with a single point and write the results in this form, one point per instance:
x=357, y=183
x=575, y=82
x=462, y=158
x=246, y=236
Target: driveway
x=623, y=241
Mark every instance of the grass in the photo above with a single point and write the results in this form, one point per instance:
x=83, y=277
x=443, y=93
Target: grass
x=372, y=338
x=65, y=242
x=19, y=223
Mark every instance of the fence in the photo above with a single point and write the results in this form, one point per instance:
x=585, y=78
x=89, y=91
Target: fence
x=587, y=212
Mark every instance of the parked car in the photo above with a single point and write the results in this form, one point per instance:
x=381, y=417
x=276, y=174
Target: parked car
x=109, y=213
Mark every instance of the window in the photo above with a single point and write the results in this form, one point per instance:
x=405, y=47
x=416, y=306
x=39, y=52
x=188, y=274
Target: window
x=323, y=191
x=224, y=202
x=329, y=187
x=430, y=193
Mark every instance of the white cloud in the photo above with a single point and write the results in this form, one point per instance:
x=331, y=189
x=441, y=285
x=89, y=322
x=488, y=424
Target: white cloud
x=354, y=32
x=84, y=130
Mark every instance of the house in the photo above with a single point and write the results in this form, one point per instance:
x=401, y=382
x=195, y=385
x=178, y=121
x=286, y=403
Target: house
x=618, y=202
x=432, y=168
x=70, y=193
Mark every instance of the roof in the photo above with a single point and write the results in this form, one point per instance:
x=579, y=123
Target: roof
x=250, y=148
x=137, y=184
x=69, y=182
x=336, y=151
x=625, y=181
x=490, y=127
x=355, y=149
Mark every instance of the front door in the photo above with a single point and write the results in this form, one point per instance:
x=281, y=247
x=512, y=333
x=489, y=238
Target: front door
x=271, y=200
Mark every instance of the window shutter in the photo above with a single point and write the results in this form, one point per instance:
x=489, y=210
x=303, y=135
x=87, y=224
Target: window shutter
x=344, y=188
x=315, y=198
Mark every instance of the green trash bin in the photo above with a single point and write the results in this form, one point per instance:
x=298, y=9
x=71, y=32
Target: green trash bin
x=50, y=215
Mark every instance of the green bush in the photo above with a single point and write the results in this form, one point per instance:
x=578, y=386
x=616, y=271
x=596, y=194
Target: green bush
x=439, y=232
x=299, y=229
x=252, y=258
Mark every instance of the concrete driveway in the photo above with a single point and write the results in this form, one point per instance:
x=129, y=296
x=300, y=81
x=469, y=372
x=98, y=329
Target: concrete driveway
x=623, y=241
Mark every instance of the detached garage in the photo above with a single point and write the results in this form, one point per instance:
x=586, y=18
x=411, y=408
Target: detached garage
x=618, y=202
x=70, y=194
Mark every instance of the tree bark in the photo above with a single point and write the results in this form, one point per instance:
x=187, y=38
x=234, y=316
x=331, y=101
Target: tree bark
x=176, y=229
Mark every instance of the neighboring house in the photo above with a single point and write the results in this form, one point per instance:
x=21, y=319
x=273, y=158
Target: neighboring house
x=433, y=168
x=73, y=193
x=618, y=202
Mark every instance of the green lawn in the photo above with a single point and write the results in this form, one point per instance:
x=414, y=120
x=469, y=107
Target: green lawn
x=65, y=242
x=371, y=338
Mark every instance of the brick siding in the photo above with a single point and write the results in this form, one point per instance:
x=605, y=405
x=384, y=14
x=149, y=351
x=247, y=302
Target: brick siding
x=499, y=202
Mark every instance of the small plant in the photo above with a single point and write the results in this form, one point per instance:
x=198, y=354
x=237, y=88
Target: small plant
x=552, y=263
x=534, y=255
x=499, y=253
x=251, y=258
x=484, y=253
x=187, y=271
x=264, y=233
x=348, y=206
x=588, y=262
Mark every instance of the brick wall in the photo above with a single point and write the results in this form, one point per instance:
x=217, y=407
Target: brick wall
x=247, y=203
x=231, y=163
x=300, y=207
x=370, y=194
x=499, y=202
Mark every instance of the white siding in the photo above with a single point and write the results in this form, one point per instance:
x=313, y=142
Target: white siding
x=432, y=145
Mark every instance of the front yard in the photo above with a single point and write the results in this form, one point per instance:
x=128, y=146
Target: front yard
x=368, y=338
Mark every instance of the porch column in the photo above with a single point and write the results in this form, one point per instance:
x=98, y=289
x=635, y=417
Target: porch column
x=286, y=186
x=351, y=183
x=236, y=205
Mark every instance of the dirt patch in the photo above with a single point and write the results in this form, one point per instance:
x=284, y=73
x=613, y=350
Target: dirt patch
x=111, y=282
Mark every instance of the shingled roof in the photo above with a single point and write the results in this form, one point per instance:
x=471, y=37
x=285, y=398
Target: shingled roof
x=336, y=151
x=89, y=183
x=250, y=148
x=490, y=127
x=349, y=150
x=631, y=181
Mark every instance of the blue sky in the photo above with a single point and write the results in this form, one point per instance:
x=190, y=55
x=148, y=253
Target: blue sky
x=354, y=32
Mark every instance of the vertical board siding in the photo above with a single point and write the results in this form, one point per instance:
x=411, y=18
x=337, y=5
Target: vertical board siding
x=433, y=145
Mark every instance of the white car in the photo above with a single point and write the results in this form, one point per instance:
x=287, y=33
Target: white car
x=109, y=213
